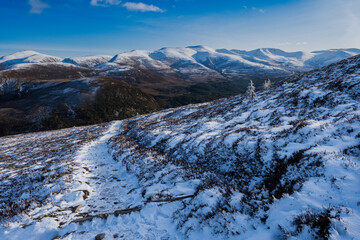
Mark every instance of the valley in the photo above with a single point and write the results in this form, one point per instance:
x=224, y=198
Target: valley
x=43, y=92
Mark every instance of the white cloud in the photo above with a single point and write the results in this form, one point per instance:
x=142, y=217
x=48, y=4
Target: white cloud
x=104, y=2
x=301, y=43
x=260, y=10
x=130, y=6
x=141, y=7
x=284, y=44
x=292, y=44
x=37, y=6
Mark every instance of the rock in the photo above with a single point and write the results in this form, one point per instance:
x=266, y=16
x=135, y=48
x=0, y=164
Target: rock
x=105, y=215
x=76, y=208
x=100, y=236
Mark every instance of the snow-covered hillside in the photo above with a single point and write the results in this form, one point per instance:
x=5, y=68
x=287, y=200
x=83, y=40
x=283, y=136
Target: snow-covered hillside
x=294, y=60
x=89, y=61
x=141, y=59
x=282, y=165
x=27, y=57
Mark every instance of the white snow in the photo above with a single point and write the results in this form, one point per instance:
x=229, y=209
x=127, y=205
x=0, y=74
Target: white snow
x=230, y=169
x=27, y=57
x=89, y=61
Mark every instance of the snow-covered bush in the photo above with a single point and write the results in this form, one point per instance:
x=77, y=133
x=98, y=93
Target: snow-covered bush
x=267, y=84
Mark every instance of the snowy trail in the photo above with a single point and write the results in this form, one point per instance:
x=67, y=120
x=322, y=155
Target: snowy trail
x=107, y=182
x=111, y=188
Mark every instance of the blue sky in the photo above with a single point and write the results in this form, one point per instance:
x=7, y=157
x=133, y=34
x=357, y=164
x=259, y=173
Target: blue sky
x=85, y=27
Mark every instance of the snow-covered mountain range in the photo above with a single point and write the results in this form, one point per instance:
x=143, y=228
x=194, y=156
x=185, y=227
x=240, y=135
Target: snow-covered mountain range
x=193, y=62
x=281, y=165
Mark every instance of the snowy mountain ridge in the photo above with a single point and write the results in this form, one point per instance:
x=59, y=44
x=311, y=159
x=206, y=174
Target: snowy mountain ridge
x=27, y=57
x=89, y=61
x=196, y=61
x=282, y=165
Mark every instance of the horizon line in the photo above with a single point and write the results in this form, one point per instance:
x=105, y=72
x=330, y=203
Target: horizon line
x=114, y=52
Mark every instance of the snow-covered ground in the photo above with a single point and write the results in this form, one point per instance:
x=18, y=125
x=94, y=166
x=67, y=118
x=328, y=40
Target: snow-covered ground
x=96, y=195
x=89, y=61
x=283, y=165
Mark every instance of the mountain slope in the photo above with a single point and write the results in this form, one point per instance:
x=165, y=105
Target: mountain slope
x=184, y=63
x=295, y=60
x=27, y=57
x=89, y=61
x=58, y=104
x=281, y=165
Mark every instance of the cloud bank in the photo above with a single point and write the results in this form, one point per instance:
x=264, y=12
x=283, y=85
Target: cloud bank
x=130, y=6
x=37, y=6
x=105, y=2
x=141, y=7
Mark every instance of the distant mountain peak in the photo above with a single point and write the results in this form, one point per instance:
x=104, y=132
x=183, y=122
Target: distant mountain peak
x=27, y=56
x=201, y=48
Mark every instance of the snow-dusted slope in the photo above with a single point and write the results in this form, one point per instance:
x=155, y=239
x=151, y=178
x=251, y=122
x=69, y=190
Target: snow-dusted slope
x=272, y=56
x=27, y=57
x=283, y=165
x=184, y=62
x=324, y=58
x=89, y=61
x=230, y=64
x=139, y=58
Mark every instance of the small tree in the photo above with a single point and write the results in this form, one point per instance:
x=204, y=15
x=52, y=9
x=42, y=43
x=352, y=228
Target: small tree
x=250, y=93
x=267, y=84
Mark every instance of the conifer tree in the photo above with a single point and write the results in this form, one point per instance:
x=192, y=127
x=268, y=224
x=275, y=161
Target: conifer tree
x=250, y=93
